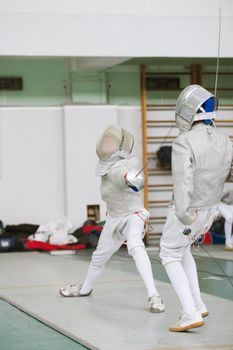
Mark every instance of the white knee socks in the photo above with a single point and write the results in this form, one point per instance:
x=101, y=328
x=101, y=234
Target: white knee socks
x=143, y=265
x=93, y=274
x=180, y=283
x=190, y=269
x=228, y=230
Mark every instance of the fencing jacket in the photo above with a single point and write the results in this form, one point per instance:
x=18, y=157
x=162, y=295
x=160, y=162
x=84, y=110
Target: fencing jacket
x=120, y=199
x=201, y=163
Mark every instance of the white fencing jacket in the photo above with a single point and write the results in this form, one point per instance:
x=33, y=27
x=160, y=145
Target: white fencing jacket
x=201, y=163
x=120, y=199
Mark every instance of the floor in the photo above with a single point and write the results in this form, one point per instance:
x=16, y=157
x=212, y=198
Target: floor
x=18, y=331
x=116, y=316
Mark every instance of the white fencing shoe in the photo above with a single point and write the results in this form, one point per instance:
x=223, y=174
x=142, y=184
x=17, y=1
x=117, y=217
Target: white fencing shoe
x=156, y=304
x=187, y=322
x=229, y=248
x=203, y=310
x=72, y=290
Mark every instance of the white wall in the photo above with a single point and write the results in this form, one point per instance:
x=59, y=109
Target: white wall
x=48, y=160
x=115, y=28
x=118, y=7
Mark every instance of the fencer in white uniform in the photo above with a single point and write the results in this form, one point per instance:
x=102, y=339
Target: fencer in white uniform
x=121, y=181
x=201, y=163
x=226, y=211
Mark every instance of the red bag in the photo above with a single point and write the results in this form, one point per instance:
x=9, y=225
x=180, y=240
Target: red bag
x=47, y=246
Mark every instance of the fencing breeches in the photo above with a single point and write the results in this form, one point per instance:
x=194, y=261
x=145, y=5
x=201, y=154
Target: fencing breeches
x=110, y=243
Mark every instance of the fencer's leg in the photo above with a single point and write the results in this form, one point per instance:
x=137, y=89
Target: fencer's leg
x=190, y=269
x=106, y=247
x=172, y=246
x=180, y=283
x=231, y=223
x=228, y=231
x=226, y=211
x=136, y=249
x=143, y=265
x=191, y=317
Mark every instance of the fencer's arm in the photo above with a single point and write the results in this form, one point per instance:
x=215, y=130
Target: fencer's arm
x=182, y=174
x=135, y=180
x=127, y=174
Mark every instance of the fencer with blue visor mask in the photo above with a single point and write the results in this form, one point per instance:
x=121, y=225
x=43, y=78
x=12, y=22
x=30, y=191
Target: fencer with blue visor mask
x=194, y=104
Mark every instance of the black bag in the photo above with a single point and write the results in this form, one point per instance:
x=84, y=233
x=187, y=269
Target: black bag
x=91, y=237
x=21, y=230
x=1, y=226
x=164, y=155
x=218, y=226
x=13, y=237
x=7, y=244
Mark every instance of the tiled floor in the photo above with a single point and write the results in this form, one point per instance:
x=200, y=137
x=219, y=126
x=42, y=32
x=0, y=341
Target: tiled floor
x=116, y=316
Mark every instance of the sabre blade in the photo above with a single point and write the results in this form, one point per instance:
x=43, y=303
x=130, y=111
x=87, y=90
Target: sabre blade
x=142, y=169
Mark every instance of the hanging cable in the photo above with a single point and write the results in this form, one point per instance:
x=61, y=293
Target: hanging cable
x=218, y=55
x=219, y=266
x=162, y=143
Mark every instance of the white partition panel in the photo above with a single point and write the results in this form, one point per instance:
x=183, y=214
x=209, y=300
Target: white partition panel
x=48, y=159
x=31, y=183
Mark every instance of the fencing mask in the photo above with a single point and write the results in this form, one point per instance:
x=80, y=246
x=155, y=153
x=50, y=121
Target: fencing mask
x=114, y=144
x=195, y=103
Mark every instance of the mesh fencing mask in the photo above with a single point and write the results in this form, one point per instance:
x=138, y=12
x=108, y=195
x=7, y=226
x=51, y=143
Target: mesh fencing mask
x=114, y=139
x=193, y=104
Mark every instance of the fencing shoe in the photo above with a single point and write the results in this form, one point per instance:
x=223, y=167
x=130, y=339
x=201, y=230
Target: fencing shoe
x=229, y=248
x=156, y=304
x=187, y=322
x=72, y=290
x=203, y=310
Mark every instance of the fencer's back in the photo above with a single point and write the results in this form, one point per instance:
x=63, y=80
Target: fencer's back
x=211, y=157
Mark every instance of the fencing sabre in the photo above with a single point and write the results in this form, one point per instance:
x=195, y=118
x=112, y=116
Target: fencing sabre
x=164, y=140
